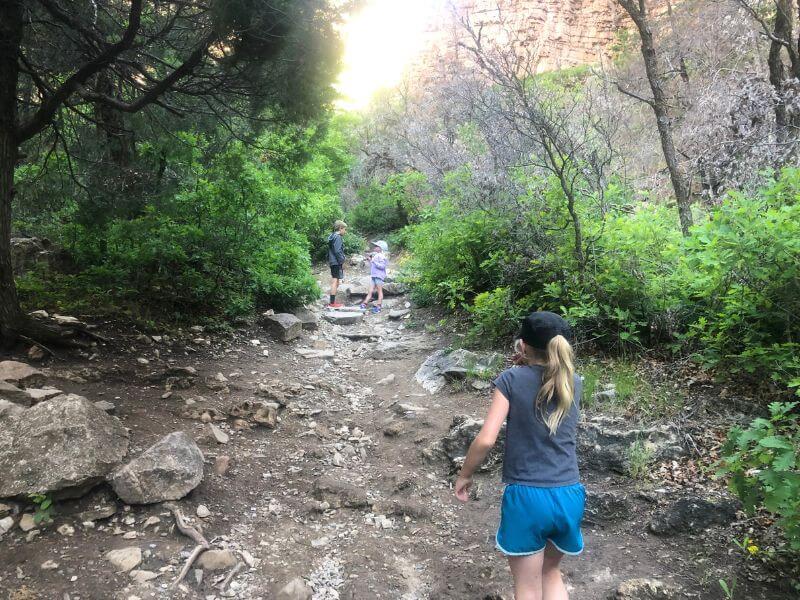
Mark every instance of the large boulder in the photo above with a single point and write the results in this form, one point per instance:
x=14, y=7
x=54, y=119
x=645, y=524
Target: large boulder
x=605, y=443
x=454, y=445
x=283, y=326
x=20, y=375
x=443, y=366
x=168, y=470
x=690, y=515
x=61, y=446
x=308, y=318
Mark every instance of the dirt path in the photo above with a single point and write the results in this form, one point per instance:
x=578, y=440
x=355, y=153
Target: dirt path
x=406, y=538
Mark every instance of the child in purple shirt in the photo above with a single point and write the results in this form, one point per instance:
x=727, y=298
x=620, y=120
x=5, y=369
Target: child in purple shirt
x=377, y=272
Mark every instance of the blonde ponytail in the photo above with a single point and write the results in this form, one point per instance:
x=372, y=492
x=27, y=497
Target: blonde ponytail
x=558, y=381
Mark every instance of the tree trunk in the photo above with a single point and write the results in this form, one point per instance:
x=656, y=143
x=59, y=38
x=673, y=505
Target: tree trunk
x=11, y=24
x=660, y=107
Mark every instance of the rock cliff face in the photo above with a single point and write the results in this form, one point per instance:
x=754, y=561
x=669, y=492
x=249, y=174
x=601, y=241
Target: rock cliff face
x=555, y=34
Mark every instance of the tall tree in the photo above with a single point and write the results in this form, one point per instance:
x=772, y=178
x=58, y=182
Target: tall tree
x=98, y=61
x=777, y=19
x=639, y=12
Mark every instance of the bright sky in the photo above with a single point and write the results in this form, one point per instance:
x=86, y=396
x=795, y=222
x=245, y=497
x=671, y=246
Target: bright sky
x=380, y=41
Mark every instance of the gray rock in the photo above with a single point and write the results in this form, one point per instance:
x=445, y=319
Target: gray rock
x=605, y=443
x=217, y=560
x=296, y=589
x=647, y=589
x=339, y=493
x=394, y=288
x=343, y=317
x=399, y=313
x=125, y=559
x=454, y=445
x=20, y=374
x=106, y=406
x=607, y=394
x=308, y=318
x=442, y=366
x=12, y=393
x=41, y=394
x=9, y=410
x=606, y=507
x=282, y=326
x=63, y=446
x=691, y=515
x=168, y=470
x=6, y=524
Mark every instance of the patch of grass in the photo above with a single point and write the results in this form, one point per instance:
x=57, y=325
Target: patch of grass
x=634, y=394
x=639, y=459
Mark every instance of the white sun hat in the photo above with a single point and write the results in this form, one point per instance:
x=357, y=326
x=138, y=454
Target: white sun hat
x=381, y=244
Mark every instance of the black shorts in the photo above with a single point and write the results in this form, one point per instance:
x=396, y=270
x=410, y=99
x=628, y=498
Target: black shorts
x=337, y=271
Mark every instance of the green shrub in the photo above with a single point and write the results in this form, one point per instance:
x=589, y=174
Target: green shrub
x=762, y=465
x=386, y=207
x=744, y=285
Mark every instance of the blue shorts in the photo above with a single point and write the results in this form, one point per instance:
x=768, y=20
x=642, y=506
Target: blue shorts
x=377, y=281
x=532, y=516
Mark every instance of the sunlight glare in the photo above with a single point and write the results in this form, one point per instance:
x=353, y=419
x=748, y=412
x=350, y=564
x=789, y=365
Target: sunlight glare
x=381, y=40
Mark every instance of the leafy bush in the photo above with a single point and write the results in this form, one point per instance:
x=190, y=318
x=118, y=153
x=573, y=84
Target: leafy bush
x=762, y=463
x=231, y=235
x=745, y=264
x=385, y=207
x=729, y=292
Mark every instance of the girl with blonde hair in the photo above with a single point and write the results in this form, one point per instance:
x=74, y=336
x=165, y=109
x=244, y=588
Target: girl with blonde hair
x=543, y=501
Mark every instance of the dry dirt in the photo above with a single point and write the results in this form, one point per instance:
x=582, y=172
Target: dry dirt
x=263, y=504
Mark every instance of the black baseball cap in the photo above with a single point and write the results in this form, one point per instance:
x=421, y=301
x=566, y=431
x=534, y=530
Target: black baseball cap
x=539, y=327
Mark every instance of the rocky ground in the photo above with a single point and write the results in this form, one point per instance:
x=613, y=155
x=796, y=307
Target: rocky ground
x=325, y=471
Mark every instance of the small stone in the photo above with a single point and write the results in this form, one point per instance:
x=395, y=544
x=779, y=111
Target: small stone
x=338, y=460
x=198, y=576
x=203, y=512
x=130, y=535
x=49, y=565
x=125, y=559
x=142, y=361
x=150, y=521
x=320, y=542
x=217, y=560
x=27, y=522
x=221, y=378
x=66, y=530
x=248, y=558
x=217, y=434
x=106, y=406
x=221, y=464
x=6, y=524
x=387, y=380
x=266, y=416
x=141, y=576
x=398, y=314
x=296, y=589
x=35, y=353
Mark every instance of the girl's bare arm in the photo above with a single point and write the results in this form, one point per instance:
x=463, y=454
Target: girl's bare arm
x=482, y=443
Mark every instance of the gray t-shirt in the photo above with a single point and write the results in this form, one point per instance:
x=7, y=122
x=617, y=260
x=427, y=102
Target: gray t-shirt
x=533, y=456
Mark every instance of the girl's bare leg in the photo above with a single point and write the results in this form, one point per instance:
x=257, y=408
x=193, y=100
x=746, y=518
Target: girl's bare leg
x=380, y=295
x=553, y=587
x=527, y=572
x=368, y=298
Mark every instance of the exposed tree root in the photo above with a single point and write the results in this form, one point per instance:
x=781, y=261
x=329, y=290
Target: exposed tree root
x=190, y=532
x=234, y=571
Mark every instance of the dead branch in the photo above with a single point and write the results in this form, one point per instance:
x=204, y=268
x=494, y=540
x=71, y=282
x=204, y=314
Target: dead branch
x=234, y=571
x=192, y=533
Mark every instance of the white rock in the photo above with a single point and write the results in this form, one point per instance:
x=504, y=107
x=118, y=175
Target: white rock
x=49, y=565
x=6, y=524
x=27, y=522
x=219, y=436
x=203, y=512
x=125, y=559
x=141, y=576
x=66, y=530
